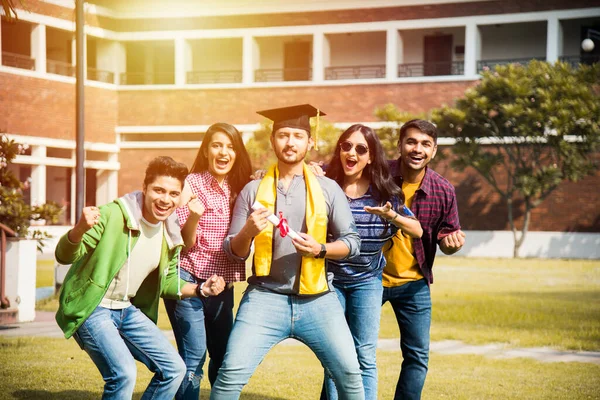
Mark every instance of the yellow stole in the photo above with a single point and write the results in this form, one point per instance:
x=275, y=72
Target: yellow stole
x=313, y=277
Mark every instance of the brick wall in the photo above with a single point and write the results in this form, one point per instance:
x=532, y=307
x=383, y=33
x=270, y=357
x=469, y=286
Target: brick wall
x=239, y=106
x=134, y=162
x=40, y=107
x=572, y=207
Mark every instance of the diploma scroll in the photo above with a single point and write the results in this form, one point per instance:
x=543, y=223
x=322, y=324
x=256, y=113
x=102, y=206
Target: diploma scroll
x=272, y=218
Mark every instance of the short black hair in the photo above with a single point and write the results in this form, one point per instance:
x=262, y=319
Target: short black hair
x=425, y=127
x=165, y=166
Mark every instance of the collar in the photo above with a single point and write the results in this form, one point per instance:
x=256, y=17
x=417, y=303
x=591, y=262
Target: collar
x=426, y=182
x=211, y=180
x=131, y=205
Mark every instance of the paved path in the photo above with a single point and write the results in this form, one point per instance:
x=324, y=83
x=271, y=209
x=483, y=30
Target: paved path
x=44, y=326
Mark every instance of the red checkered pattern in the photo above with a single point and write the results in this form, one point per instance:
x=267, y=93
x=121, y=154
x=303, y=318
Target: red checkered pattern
x=207, y=257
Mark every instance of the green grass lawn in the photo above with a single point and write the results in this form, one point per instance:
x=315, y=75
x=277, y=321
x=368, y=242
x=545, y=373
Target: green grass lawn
x=34, y=368
x=524, y=303
x=517, y=302
x=44, y=275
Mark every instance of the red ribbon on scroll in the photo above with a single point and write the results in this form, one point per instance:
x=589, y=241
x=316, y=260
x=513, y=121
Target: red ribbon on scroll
x=283, y=226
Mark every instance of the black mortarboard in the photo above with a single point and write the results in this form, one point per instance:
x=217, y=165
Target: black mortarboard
x=292, y=117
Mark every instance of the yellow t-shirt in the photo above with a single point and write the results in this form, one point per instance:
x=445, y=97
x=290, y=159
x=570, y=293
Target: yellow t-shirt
x=401, y=265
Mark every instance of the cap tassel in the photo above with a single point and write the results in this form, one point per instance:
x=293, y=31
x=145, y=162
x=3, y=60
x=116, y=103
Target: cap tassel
x=317, y=131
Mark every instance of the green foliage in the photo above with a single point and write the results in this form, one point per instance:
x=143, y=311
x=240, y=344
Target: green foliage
x=262, y=155
x=14, y=211
x=9, y=7
x=527, y=128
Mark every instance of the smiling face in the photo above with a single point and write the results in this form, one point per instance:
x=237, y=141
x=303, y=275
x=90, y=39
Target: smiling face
x=416, y=150
x=220, y=155
x=354, y=163
x=290, y=145
x=161, y=197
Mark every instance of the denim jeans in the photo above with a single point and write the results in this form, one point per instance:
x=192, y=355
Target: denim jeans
x=200, y=324
x=114, y=339
x=412, y=305
x=266, y=318
x=361, y=302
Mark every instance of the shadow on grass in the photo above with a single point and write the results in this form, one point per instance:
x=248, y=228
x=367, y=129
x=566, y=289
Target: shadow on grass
x=256, y=396
x=45, y=395
x=85, y=395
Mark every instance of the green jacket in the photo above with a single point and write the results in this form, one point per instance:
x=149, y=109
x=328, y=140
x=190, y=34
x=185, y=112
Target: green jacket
x=102, y=253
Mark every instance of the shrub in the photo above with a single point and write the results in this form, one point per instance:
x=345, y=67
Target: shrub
x=14, y=211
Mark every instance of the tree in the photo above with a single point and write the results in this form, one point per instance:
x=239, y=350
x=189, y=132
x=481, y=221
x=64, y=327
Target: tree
x=525, y=129
x=14, y=211
x=10, y=8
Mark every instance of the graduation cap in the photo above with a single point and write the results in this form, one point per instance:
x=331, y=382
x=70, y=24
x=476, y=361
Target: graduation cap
x=297, y=117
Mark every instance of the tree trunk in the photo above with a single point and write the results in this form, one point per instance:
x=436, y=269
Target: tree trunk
x=513, y=228
x=524, y=231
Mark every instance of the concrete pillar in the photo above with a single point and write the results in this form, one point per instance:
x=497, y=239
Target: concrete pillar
x=391, y=53
x=21, y=261
x=119, y=57
x=38, y=176
x=149, y=78
x=182, y=60
x=74, y=54
x=250, y=58
x=38, y=47
x=112, y=184
x=554, y=41
x=318, y=67
x=73, y=51
x=472, y=49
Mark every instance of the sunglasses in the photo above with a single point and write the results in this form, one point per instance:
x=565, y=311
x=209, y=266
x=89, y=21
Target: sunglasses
x=360, y=148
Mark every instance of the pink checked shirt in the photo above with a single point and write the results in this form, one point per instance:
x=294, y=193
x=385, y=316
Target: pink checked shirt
x=207, y=257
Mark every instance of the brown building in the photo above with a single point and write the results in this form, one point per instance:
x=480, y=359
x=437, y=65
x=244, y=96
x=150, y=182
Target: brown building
x=159, y=73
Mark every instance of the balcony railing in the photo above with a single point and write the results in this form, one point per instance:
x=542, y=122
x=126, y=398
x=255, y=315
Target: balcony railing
x=233, y=76
x=355, y=72
x=283, y=75
x=99, y=75
x=586, y=59
x=147, y=78
x=17, y=60
x=431, y=68
x=483, y=65
x=60, y=68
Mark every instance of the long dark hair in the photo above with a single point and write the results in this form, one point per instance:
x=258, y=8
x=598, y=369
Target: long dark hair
x=241, y=170
x=382, y=184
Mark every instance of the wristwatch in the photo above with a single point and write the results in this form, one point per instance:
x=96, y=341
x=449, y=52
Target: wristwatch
x=322, y=252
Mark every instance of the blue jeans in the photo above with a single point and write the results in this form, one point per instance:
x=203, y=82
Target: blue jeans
x=114, y=339
x=362, y=305
x=200, y=324
x=412, y=305
x=266, y=318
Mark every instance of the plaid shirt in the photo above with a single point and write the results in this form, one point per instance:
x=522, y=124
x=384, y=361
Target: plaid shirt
x=435, y=207
x=207, y=257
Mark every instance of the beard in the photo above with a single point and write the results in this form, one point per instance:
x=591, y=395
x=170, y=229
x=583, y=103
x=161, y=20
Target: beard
x=299, y=157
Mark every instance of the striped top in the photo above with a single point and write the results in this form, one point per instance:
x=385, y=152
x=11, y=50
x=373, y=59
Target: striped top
x=370, y=262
